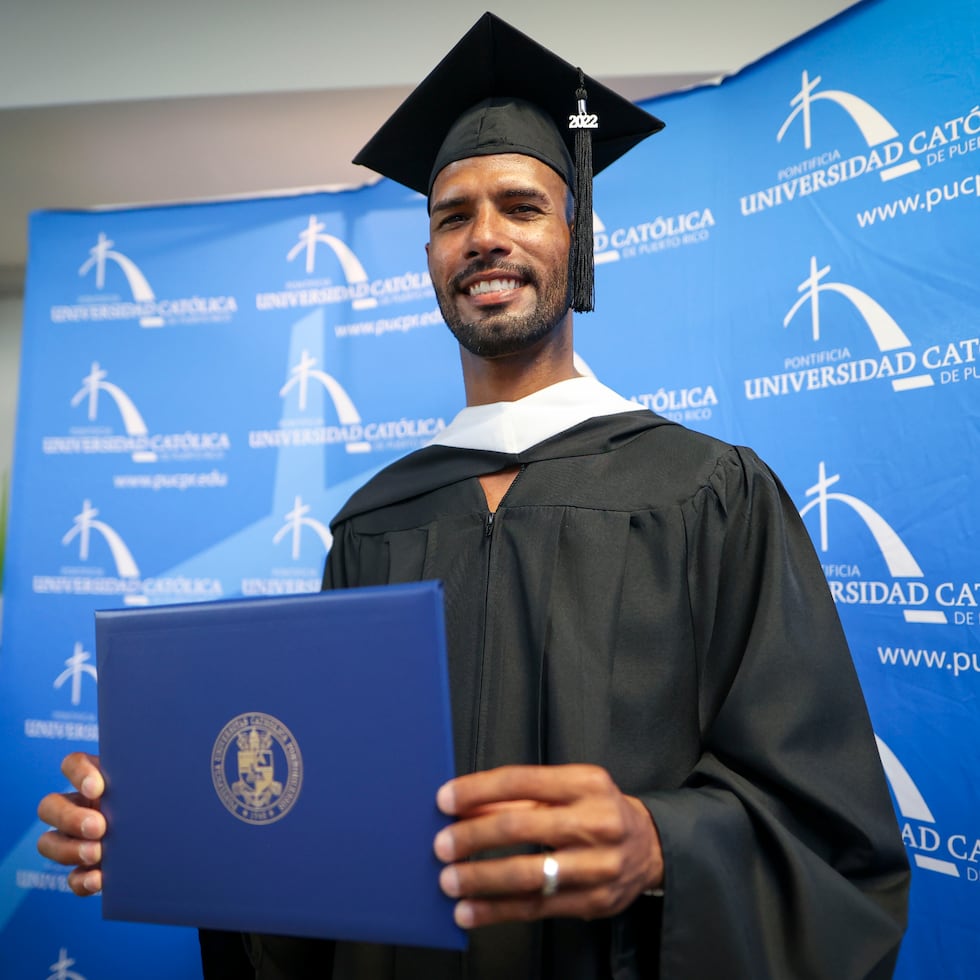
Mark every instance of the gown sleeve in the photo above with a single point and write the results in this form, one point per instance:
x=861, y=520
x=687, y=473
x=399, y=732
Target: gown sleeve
x=781, y=849
x=339, y=570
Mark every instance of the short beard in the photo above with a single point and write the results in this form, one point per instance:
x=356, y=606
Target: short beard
x=502, y=334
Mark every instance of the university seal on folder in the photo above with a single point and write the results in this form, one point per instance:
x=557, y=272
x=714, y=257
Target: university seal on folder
x=287, y=752
x=249, y=753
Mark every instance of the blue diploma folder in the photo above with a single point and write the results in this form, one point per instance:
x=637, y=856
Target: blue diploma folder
x=271, y=764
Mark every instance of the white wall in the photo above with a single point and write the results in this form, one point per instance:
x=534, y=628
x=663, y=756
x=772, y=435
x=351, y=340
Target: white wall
x=58, y=52
x=11, y=311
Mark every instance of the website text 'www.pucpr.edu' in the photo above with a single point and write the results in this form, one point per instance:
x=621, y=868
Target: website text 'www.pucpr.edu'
x=957, y=662
x=394, y=324
x=958, y=190
x=169, y=481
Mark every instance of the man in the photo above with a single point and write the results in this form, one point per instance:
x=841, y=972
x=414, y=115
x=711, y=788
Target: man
x=669, y=770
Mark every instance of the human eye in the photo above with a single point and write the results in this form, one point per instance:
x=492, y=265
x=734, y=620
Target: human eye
x=524, y=209
x=450, y=218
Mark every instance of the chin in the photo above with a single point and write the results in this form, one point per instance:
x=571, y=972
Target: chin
x=489, y=341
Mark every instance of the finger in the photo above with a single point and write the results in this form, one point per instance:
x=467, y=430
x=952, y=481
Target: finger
x=69, y=850
x=73, y=815
x=504, y=805
x=588, y=904
x=85, y=881
x=539, y=825
x=82, y=771
x=523, y=874
x=593, y=822
x=546, y=784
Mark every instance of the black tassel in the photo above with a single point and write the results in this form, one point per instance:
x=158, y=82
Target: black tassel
x=582, y=264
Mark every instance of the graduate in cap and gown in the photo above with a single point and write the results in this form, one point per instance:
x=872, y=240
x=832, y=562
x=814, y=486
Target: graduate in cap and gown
x=666, y=764
x=675, y=775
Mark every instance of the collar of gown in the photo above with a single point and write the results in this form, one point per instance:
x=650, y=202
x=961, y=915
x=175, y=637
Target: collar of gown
x=512, y=427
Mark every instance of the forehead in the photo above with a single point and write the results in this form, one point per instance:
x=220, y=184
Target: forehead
x=497, y=173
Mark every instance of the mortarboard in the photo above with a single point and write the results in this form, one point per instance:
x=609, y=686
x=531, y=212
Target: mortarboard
x=499, y=91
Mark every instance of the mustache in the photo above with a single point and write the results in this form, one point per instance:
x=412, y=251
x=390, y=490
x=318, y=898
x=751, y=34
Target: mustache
x=482, y=265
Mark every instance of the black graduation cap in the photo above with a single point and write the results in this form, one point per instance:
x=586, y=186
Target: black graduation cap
x=499, y=91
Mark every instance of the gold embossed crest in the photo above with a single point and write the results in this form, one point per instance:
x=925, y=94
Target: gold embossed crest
x=257, y=768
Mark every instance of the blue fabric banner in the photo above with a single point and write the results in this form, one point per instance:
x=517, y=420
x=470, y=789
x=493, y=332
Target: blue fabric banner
x=791, y=265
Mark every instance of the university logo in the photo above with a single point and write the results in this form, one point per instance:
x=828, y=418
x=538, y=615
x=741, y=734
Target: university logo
x=871, y=144
x=350, y=419
x=138, y=442
x=649, y=237
x=296, y=520
x=68, y=726
x=92, y=384
x=693, y=404
x=831, y=302
x=928, y=845
x=354, y=273
x=61, y=970
x=874, y=128
x=83, y=526
x=77, y=666
x=100, y=253
x=144, y=305
x=125, y=578
x=316, y=289
x=887, y=334
x=907, y=591
x=257, y=768
x=602, y=251
x=305, y=389
x=92, y=580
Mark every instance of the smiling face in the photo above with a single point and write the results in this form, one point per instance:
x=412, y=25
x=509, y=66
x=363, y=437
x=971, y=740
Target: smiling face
x=498, y=252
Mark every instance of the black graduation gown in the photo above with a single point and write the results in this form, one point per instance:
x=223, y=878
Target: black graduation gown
x=646, y=599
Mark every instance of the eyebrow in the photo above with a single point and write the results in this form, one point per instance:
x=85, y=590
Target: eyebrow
x=447, y=204
x=508, y=193
x=525, y=192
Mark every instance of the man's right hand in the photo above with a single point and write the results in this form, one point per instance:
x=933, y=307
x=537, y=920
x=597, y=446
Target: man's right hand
x=78, y=825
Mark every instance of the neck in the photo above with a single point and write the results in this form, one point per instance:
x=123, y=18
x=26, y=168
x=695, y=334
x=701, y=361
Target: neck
x=506, y=379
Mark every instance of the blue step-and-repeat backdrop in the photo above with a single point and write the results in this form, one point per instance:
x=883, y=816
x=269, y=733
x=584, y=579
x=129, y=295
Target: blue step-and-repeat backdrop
x=793, y=264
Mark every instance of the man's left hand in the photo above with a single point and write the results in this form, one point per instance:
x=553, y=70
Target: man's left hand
x=605, y=843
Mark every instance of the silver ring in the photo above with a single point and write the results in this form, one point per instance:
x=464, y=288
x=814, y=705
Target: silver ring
x=550, y=884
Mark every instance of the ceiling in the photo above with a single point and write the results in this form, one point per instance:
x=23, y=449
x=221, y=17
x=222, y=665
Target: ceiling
x=108, y=105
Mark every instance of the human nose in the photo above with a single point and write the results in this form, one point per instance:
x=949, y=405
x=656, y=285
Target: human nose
x=487, y=234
